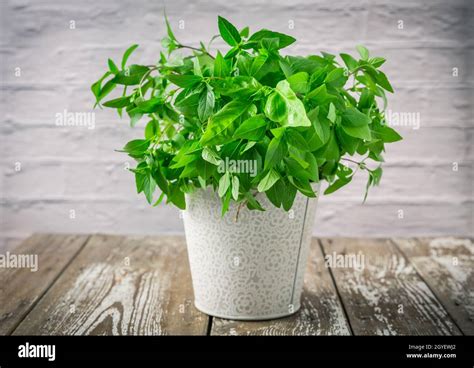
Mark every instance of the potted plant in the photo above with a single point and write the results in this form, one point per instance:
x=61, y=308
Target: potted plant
x=241, y=141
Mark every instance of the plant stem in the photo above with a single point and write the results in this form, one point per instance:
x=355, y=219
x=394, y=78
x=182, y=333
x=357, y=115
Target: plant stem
x=360, y=164
x=241, y=204
x=180, y=46
x=353, y=161
x=144, y=77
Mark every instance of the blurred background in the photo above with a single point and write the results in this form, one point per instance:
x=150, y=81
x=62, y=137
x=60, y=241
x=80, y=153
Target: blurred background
x=57, y=178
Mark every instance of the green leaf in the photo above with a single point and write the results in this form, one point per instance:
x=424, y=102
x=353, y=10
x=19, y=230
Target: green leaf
x=222, y=121
x=387, y=134
x=188, y=105
x=136, y=147
x=298, y=156
x=135, y=118
x=232, y=52
x=169, y=31
x=118, y=102
x=295, y=112
x=160, y=180
x=267, y=182
x=331, y=150
x=112, y=67
x=221, y=66
x=275, y=153
x=338, y=184
x=252, y=203
x=332, y=113
x=184, y=81
x=278, y=132
x=224, y=183
x=152, y=129
x=377, y=175
x=140, y=174
x=346, y=142
x=177, y=197
x=296, y=170
x=235, y=187
x=377, y=61
x=245, y=32
x=252, y=129
x=355, y=118
x=228, y=32
x=226, y=203
x=257, y=64
x=362, y=132
x=299, y=82
x=319, y=95
x=383, y=82
x=350, y=62
x=366, y=99
x=148, y=106
x=312, y=170
x=287, y=193
x=98, y=90
x=336, y=78
x=303, y=186
x=275, y=107
x=149, y=186
x=274, y=194
x=210, y=156
x=296, y=139
x=283, y=39
x=363, y=52
x=160, y=199
x=127, y=54
x=131, y=75
x=206, y=104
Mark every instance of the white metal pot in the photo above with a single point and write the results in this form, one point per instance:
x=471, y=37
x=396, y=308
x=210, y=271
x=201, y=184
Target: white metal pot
x=252, y=268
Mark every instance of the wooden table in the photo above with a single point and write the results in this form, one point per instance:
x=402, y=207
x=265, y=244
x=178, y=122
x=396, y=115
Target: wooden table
x=115, y=285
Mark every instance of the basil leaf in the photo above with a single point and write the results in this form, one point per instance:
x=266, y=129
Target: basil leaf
x=267, y=182
x=184, y=81
x=363, y=52
x=252, y=129
x=206, y=104
x=235, y=187
x=224, y=184
x=228, y=32
x=354, y=117
x=275, y=153
x=284, y=107
x=350, y=62
x=221, y=122
x=127, y=54
x=299, y=82
x=131, y=75
x=283, y=39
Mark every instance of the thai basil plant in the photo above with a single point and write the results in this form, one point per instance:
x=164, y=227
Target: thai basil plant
x=293, y=120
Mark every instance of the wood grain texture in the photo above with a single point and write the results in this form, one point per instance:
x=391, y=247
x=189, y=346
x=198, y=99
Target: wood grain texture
x=20, y=288
x=121, y=286
x=386, y=296
x=447, y=266
x=321, y=312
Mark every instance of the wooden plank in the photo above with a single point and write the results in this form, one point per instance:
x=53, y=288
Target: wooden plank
x=20, y=288
x=447, y=266
x=385, y=295
x=121, y=286
x=321, y=312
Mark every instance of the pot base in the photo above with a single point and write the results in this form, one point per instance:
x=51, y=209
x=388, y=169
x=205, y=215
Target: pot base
x=247, y=318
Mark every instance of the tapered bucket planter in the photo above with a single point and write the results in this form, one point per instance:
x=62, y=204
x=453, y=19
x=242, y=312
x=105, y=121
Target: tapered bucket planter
x=252, y=268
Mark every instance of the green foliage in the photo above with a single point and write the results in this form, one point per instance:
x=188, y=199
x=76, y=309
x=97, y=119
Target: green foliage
x=295, y=120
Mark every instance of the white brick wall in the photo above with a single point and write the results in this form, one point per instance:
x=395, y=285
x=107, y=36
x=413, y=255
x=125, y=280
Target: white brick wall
x=64, y=169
